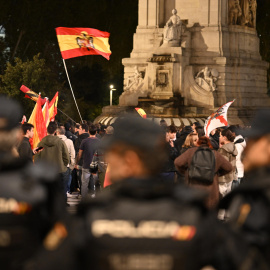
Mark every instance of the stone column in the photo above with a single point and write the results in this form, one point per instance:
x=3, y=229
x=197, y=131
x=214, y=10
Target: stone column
x=152, y=13
x=143, y=13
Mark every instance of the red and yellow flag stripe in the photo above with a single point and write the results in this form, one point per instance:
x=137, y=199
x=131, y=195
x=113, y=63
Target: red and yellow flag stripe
x=74, y=42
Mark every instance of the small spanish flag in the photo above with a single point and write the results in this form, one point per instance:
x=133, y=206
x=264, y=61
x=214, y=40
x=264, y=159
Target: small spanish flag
x=74, y=42
x=141, y=112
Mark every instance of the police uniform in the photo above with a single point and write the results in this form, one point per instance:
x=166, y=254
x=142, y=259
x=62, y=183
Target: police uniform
x=144, y=224
x=30, y=204
x=249, y=210
x=30, y=198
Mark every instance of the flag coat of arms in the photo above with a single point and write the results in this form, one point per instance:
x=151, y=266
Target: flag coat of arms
x=74, y=42
x=217, y=119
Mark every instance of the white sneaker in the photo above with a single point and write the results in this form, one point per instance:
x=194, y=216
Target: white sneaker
x=69, y=195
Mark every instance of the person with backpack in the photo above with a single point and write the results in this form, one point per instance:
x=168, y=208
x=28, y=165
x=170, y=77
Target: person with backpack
x=202, y=167
x=229, y=152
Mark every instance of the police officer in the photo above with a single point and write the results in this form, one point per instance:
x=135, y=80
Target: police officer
x=249, y=204
x=142, y=223
x=30, y=204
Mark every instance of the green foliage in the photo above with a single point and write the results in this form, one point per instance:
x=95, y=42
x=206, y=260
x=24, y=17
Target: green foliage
x=32, y=73
x=30, y=30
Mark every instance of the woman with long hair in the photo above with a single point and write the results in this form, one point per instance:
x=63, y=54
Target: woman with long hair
x=191, y=141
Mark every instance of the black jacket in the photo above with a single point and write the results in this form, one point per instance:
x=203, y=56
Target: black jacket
x=142, y=222
x=249, y=206
x=79, y=140
x=31, y=201
x=25, y=150
x=172, y=153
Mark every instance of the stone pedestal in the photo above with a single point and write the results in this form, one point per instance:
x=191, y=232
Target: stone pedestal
x=211, y=39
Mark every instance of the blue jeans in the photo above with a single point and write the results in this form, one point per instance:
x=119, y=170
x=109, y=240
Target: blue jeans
x=168, y=177
x=69, y=180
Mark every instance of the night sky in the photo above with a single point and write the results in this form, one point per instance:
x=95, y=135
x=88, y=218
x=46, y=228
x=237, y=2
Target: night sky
x=29, y=28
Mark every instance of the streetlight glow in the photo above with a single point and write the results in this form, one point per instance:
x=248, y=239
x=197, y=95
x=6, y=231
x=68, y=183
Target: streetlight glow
x=111, y=91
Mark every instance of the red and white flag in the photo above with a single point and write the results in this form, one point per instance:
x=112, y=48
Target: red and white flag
x=217, y=119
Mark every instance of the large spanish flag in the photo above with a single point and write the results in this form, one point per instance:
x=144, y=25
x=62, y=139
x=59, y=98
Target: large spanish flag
x=74, y=42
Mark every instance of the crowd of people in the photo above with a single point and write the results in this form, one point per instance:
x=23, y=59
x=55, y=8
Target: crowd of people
x=153, y=196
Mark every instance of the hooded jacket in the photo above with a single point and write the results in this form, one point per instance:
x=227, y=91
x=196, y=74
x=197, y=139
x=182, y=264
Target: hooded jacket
x=55, y=151
x=229, y=152
x=71, y=150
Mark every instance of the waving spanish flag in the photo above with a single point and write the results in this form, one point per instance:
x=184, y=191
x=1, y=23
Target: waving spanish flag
x=74, y=42
x=141, y=112
x=31, y=94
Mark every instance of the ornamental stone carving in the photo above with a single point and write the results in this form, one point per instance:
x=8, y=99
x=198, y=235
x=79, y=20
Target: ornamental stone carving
x=243, y=12
x=207, y=78
x=235, y=12
x=134, y=82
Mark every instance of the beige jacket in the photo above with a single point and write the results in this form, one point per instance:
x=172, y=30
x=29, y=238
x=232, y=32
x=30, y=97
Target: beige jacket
x=229, y=152
x=71, y=150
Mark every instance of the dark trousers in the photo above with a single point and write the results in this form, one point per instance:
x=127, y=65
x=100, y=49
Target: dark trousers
x=65, y=178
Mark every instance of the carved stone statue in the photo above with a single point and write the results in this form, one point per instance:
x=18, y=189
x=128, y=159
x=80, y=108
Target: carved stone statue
x=134, y=82
x=245, y=18
x=235, y=12
x=253, y=12
x=173, y=29
x=206, y=79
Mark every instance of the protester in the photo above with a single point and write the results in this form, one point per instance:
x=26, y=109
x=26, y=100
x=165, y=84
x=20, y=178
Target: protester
x=24, y=149
x=103, y=173
x=60, y=132
x=169, y=170
x=87, y=149
x=191, y=141
x=214, y=138
x=183, y=134
x=196, y=124
x=171, y=130
x=163, y=124
x=55, y=152
x=83, y=134
x=220, y=167
x=249, y=204
x=229, y=152
x=240, y=145
x=78, y=128
x=30, y=201
x=199, y=130
x=69, y=134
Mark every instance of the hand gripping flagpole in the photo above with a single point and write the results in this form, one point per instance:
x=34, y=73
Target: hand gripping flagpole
x=71, y=88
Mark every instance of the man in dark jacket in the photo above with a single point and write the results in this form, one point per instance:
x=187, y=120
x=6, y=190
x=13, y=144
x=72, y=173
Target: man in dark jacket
x=25, y=150
x=68, y=133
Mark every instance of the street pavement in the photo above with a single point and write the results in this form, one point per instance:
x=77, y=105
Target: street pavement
x=73, y=201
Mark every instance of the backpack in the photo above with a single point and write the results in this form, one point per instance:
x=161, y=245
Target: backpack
x=203, y=166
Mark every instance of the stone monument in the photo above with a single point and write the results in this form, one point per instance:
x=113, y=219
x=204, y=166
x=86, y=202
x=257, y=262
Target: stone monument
x=191, y=57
